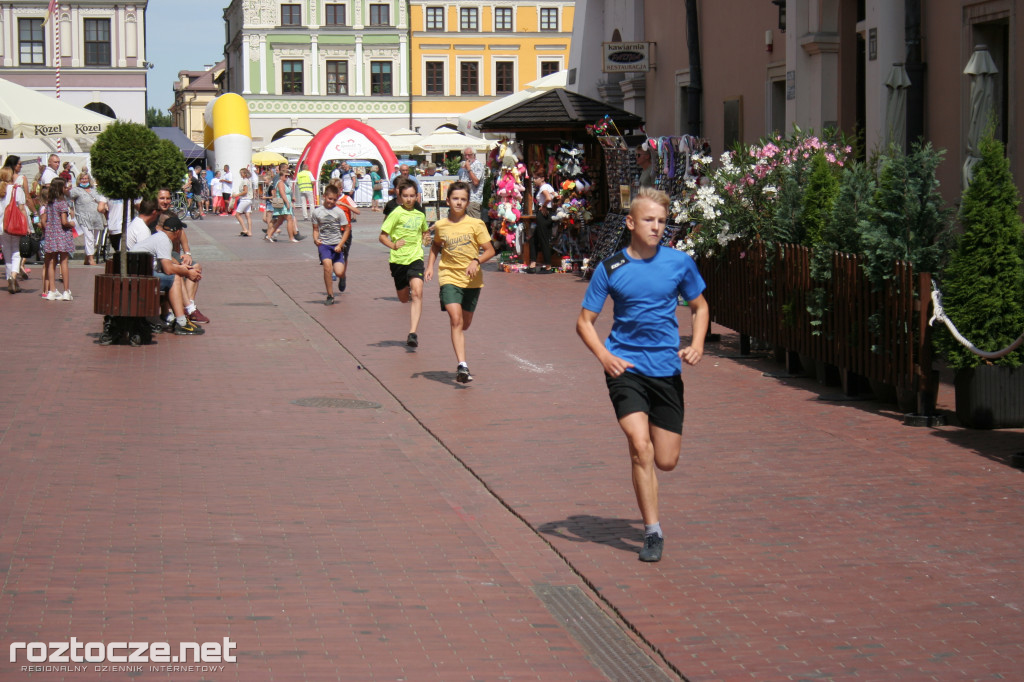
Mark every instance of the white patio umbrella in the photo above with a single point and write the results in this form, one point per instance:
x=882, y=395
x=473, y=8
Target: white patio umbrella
x=448, y=140
x=467, y=121
x=26, y=113
x=896, y=106
x=982, y=70
x=403, y=140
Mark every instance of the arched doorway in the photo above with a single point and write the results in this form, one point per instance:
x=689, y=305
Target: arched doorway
x=101, y=108
x=347, y=139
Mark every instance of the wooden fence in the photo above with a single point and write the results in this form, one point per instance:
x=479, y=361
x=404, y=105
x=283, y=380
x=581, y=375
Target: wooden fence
x=880, y=335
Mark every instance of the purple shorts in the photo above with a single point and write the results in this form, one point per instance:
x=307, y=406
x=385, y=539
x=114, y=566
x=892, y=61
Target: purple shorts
x=327, y=252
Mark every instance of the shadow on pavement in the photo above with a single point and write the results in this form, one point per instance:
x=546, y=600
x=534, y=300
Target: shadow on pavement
x=441, y=377
x=603, y=531
x=1002, y=446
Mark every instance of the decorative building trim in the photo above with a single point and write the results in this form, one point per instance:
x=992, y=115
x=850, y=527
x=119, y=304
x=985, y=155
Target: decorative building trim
x=330, y=106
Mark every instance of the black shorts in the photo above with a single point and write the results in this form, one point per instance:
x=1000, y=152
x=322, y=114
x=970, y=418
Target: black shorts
x=660, y=398
x=403, y=273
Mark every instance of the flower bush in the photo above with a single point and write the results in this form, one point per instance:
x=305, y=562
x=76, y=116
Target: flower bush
x=742, y=197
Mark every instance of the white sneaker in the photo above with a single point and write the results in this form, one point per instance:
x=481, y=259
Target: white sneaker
x=66, y=296
x=52, y=296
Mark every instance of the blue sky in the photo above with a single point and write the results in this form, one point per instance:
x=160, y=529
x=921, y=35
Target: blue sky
x=181, y=35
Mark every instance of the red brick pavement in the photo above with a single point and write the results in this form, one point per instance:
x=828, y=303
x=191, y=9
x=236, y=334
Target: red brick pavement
x=175, y=493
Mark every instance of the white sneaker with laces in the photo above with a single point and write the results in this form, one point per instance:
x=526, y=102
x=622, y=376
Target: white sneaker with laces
x=66, y=296
x=52, y=296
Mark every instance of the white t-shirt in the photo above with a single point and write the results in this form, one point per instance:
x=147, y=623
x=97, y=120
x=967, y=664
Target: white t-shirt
x=158, y=244
x=115, y=216
x=216, y=187
x=48, y=176
x=226, y=181
x=138, y=230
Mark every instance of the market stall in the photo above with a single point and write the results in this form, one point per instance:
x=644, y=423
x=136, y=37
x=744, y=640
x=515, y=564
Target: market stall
x=550, y=131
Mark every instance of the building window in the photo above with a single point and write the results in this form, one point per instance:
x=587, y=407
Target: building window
x=291, y=15
x=334, y=14
x=549, y=19
x=380, y=15
x=504, y=78
x=469, y=78
x=337, y=78
x=435, y=18
x=380, y=78
x=469, y=19
x=291, y=77
x=31, y=41
x=97, y=42
x=502, y=18
x=548, y=68
x=435, y=78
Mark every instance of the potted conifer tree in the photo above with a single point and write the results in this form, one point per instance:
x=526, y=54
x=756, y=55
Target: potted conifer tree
x=983, y=294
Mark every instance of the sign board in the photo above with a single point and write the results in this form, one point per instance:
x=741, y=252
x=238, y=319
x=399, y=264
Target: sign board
x=627, y=57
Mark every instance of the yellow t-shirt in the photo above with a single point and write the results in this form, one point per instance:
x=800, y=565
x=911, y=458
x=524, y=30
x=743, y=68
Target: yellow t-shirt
x=460, y=243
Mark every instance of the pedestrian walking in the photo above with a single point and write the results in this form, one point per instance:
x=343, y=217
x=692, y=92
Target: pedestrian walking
x=404, y=232
x=464, y=245
x=378, y=188
x=60, y=243
x=243, y=210
x=304, y=180
x=641, y=357
x=89, y=207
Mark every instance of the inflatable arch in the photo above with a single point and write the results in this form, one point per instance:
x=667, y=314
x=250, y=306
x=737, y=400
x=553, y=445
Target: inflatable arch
x=347, y=139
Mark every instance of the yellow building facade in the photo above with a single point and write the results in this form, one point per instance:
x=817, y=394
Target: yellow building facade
x=465, y=53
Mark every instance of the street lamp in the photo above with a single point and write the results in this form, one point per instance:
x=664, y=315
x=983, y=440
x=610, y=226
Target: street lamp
x=782, y=14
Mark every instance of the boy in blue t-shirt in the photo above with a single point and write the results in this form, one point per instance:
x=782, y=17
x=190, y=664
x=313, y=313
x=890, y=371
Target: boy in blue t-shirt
x=641, y=357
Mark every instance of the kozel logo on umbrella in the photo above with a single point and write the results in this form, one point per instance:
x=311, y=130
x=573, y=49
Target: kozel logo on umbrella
x=49, y=130
x=87, y=129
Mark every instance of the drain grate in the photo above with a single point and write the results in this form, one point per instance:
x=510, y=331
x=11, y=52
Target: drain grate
x=605, y=643
x=339, y=403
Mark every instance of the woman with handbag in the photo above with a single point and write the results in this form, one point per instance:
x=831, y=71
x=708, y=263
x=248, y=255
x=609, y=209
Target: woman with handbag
x=89, y=208
x=15, y=226
x=60, y=243
x=27, y=202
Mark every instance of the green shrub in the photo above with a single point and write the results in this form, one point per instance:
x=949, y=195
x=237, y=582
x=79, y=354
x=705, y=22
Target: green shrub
x=983, y=287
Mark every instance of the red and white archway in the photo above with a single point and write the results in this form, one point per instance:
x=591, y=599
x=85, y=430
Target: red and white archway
x=347, y=139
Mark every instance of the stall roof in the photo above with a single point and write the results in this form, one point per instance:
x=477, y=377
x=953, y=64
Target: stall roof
x=555, y=110
x=189, y=149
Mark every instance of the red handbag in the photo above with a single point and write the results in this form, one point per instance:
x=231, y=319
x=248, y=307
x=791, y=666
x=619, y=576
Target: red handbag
x=15, y=222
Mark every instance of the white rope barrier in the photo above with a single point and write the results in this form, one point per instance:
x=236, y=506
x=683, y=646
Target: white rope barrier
x=940, y=315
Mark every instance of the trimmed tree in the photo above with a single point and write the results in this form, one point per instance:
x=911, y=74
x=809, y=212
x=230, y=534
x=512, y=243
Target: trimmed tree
x=130, y=162
x=983, y=287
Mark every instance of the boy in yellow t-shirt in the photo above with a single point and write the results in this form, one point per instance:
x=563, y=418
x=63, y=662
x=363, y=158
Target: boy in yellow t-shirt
x=459, y=239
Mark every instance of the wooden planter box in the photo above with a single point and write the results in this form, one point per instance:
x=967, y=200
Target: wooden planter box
x=990, y=397
x=130, y=296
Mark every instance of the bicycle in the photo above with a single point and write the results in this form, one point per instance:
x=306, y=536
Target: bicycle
x=185, y=206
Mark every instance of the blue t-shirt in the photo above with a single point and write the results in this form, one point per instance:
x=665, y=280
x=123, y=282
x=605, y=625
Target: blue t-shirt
x=644, y=292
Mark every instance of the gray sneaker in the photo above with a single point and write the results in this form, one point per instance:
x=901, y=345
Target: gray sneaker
x=653, y=544
x=462, y=375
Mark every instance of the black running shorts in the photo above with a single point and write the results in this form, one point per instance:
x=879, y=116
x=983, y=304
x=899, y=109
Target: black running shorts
x=403, y=273
x=660, y=398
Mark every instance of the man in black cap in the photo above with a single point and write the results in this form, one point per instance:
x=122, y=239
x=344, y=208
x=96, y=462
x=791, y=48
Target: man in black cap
x=172, y=274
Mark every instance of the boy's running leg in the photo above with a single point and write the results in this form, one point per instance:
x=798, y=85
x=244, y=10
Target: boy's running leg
x=339, y=272
x=328, y=270
x=459, y=320
x=650, y=448
x=416, y=297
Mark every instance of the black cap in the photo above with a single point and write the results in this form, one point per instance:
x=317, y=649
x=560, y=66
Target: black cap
x=173, y=224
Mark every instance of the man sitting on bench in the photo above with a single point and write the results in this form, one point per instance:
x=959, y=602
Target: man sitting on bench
x=172, y=274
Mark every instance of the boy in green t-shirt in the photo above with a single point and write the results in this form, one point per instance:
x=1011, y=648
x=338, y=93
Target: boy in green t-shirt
x=404, y=232
x=459, y=240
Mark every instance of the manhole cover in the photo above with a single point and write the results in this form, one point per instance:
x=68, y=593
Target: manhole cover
x=339, y=403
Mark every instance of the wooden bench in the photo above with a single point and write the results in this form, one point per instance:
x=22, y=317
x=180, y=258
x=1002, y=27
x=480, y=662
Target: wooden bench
x=126, y=301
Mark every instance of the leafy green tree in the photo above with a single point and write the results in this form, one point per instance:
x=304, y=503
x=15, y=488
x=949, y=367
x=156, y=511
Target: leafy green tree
x=130, y=162
x=907, y=219
x=983, y=287
x=155, y=118
x=819, y=198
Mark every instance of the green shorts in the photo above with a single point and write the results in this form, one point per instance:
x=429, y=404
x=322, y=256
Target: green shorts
x=467, y=298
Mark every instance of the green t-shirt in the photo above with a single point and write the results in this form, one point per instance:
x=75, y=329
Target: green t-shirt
x=407, y=225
